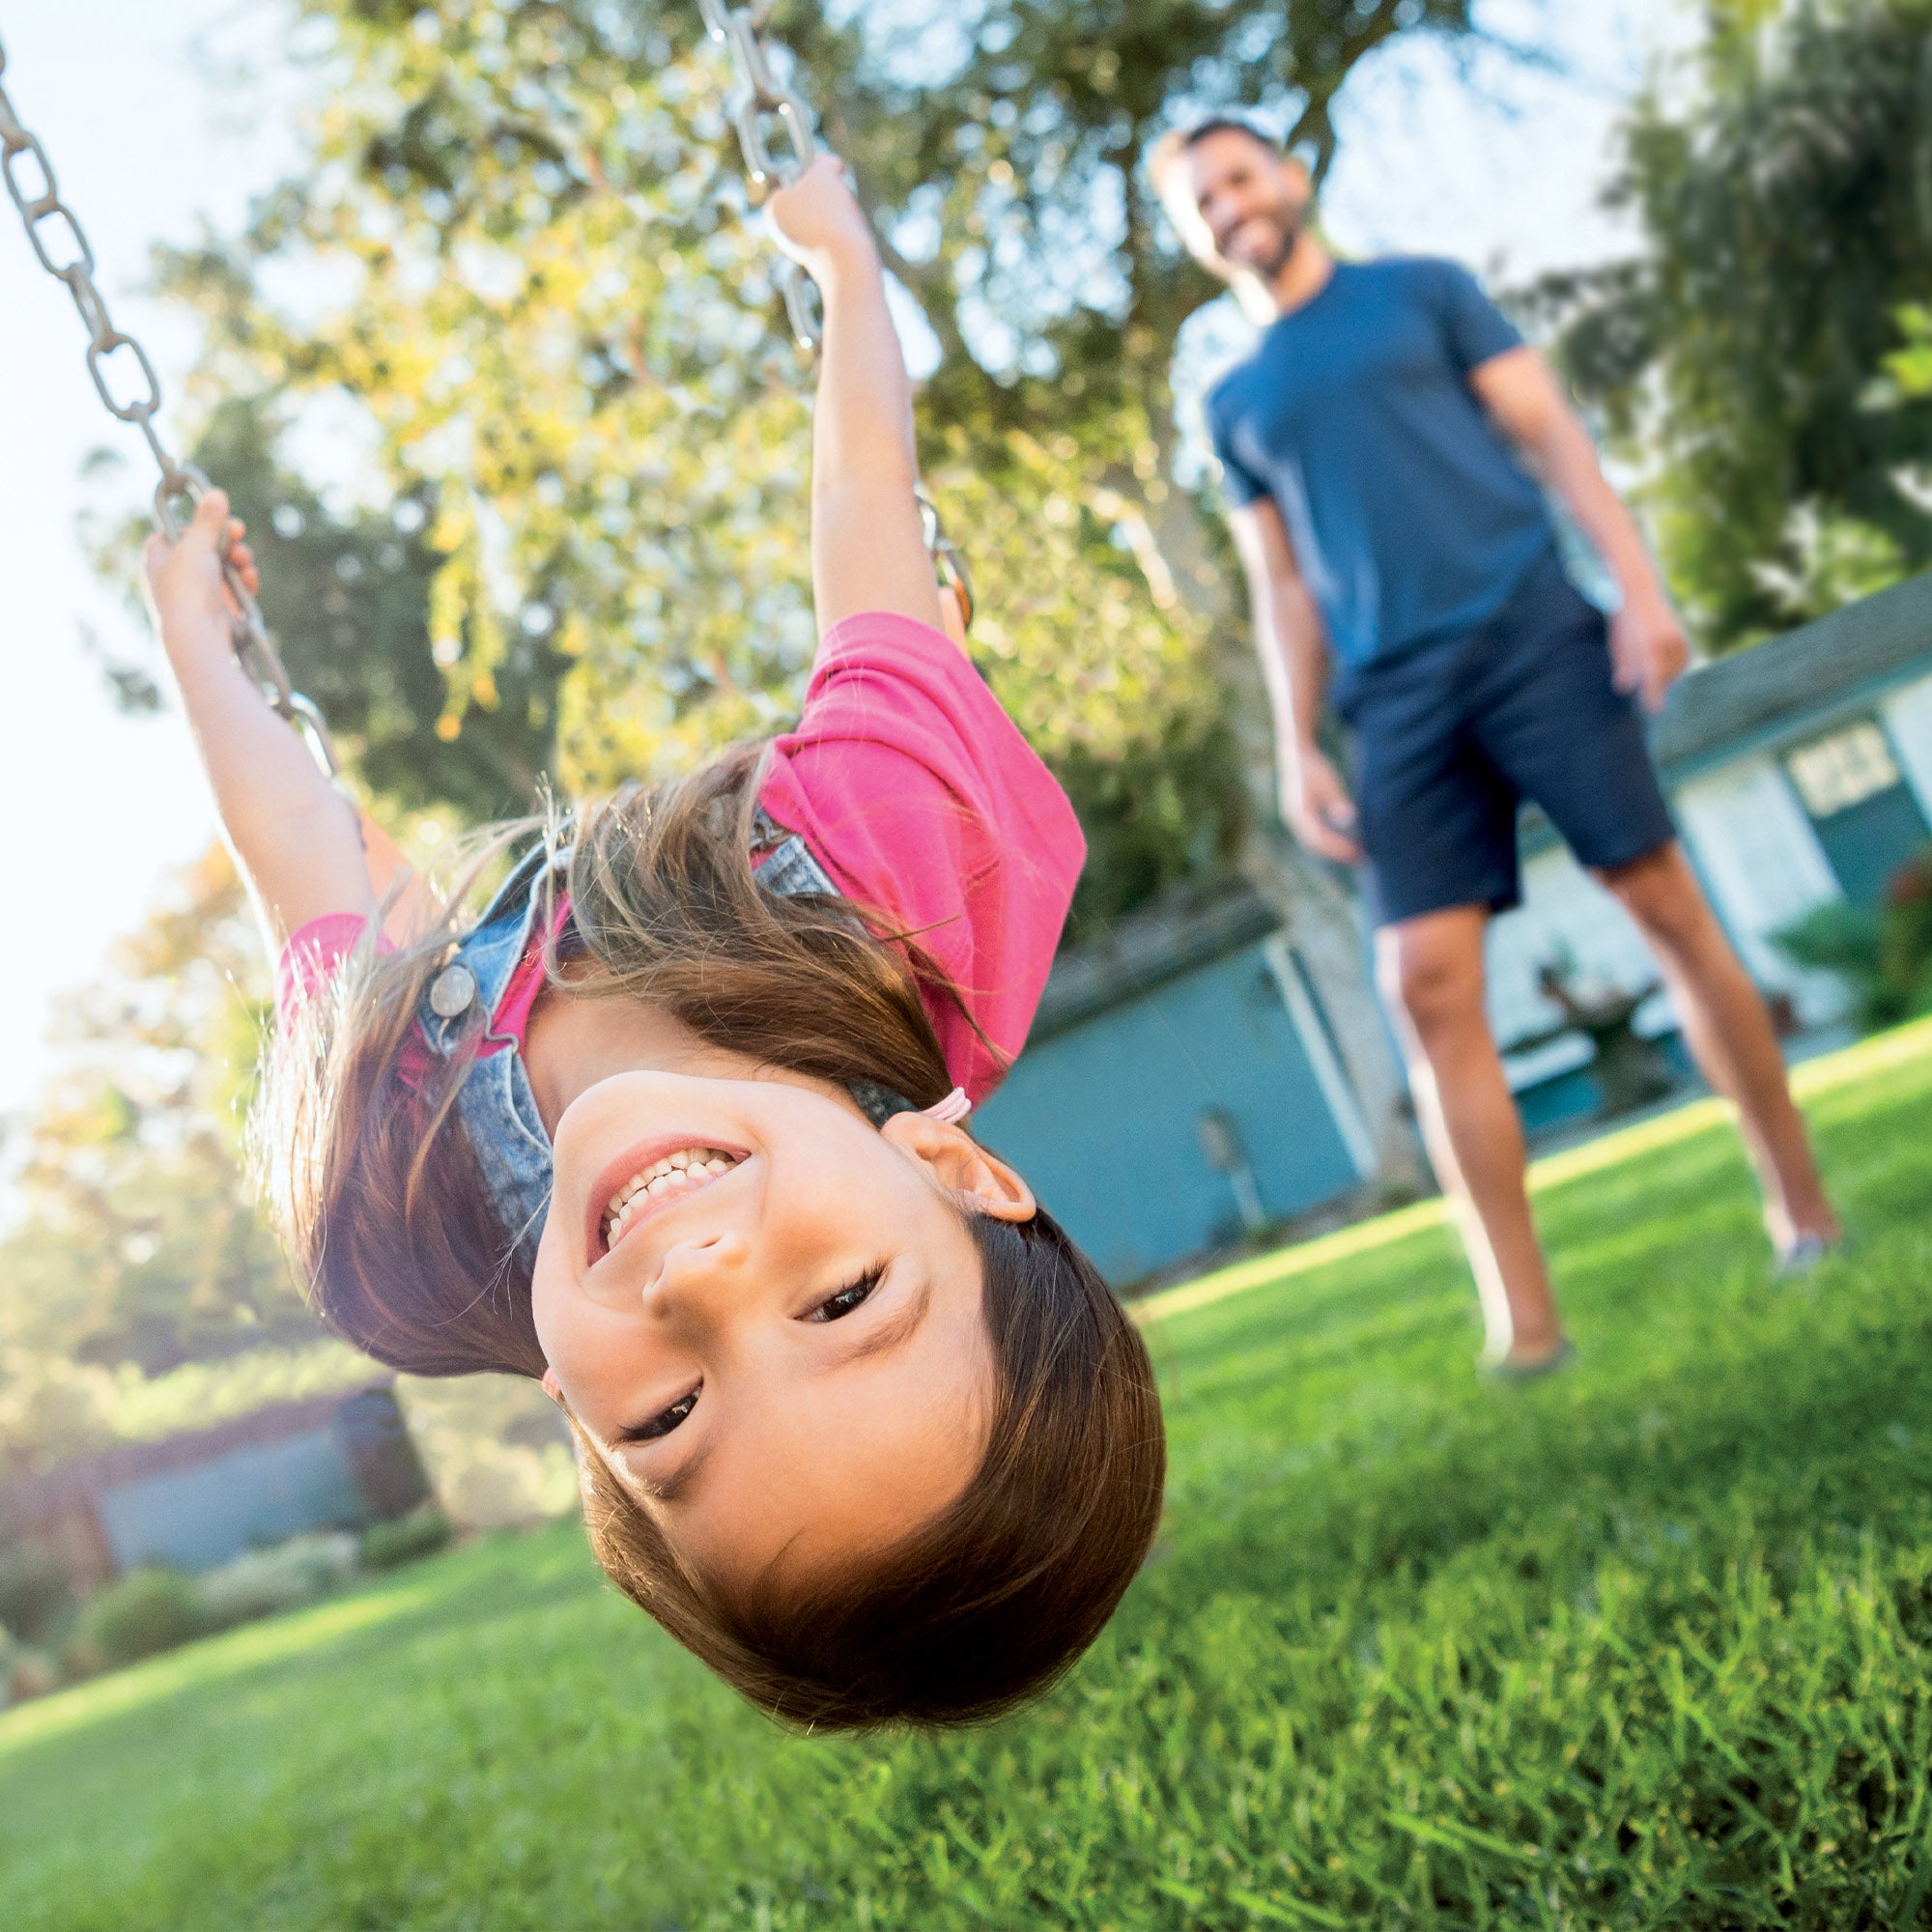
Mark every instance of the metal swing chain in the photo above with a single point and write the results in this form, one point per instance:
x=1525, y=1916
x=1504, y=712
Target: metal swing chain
x=763, y=100
x=62, y=247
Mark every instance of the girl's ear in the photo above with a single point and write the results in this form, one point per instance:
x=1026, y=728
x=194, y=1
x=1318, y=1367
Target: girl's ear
x=960, y=1165
x=552, y=1388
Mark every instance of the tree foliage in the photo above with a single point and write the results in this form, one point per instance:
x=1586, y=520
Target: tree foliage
x=136, y=1250
x=546, y=297
x=350, y=587
x=1785, y=199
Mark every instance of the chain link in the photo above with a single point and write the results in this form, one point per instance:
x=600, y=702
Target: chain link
x=61, y=246
x=947, y=559
x=765, y=102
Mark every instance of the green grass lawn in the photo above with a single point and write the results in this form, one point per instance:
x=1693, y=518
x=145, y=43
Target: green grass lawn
x=1646, y=1645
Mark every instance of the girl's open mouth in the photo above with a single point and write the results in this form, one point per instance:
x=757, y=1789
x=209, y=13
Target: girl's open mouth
x=671, y=1177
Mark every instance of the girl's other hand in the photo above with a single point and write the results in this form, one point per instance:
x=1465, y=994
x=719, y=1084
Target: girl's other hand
x=817, y=219
x=184, y=583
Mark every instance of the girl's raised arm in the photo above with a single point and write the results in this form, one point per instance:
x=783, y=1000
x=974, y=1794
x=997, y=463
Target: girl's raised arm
x=867, y=543
x=295, y=838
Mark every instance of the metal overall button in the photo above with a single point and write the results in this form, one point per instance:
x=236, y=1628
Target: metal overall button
x=451, y=991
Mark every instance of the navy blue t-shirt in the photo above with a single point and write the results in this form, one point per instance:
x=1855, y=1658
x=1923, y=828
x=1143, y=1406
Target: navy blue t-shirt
x=1409, y=514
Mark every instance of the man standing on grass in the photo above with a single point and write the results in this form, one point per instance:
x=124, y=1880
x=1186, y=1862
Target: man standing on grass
x=1380, y=454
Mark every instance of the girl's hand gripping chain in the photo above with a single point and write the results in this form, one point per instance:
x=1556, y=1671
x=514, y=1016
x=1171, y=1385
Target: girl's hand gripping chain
x=186, y=594
x=295, y=838
x=867, y=540
x=819, y=223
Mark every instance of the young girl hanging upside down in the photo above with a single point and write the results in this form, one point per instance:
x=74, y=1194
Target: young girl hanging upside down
x=673, y=1123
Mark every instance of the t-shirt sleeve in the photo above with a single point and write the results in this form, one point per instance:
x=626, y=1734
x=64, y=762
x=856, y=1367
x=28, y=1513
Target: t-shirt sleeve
x=1474, y=327
x=928, y=808
x=1241, y=486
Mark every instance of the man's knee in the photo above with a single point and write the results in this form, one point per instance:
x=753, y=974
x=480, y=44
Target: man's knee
x=1433, y=979
x=1661, y=892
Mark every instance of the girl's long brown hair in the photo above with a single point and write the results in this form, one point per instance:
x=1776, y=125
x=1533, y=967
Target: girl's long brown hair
x=378, y=1197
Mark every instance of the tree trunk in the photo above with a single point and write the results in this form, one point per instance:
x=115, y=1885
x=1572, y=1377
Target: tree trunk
x=1321, y=917
x=1323, y=923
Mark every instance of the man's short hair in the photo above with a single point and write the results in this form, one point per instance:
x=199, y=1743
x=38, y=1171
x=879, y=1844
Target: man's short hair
x=1179, y=141
x=1227, y=124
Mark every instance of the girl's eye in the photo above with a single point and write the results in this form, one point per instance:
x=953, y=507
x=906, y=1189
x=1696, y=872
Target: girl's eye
x=847, y=1298
x=663, y=1423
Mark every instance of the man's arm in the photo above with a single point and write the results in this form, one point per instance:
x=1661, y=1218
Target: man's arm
x=293, y=836
x=868, y=542
x=1526, y=401
x=1293, y=648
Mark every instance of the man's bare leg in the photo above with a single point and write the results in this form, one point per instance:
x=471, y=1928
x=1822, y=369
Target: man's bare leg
x=1730, y=1036
x=1430, y=971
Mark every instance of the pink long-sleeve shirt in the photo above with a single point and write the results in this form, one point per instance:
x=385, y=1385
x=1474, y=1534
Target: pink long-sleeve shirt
x=918, y=795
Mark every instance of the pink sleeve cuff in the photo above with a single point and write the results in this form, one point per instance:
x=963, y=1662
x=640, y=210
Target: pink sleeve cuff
x=313, y=954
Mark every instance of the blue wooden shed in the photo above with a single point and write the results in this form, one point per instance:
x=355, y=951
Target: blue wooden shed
x=195, y=1500
x=1181, y=1087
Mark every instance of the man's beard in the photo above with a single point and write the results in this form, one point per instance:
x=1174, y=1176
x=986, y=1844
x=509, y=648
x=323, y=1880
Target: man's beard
x=1286, y=222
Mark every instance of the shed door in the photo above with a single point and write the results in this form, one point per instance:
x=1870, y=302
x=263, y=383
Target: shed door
x=1860, y=808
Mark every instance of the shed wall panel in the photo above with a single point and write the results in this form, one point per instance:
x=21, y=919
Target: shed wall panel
x=1908, y=723
x=1103, y=1119
x=197, y=1518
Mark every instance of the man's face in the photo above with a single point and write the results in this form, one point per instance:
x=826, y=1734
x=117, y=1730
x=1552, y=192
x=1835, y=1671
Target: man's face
x=1247, y=201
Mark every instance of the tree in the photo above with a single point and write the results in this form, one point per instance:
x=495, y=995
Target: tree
x=349, y=590
x=136, y=1250
x=136, y=1245
x=564, y=333
x=1786, y=204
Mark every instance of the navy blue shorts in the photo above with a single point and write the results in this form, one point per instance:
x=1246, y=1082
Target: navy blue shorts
x=1452, y=737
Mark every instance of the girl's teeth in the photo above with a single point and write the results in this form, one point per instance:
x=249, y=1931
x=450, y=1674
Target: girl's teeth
x=677, y=1173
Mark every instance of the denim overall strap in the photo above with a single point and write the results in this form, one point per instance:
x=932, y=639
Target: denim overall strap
x=495, y=1102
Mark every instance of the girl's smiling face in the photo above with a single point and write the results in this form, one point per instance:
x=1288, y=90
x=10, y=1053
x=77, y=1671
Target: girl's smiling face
x=765, y=1310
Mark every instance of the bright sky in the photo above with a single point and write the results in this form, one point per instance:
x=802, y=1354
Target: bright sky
x=1503, y=173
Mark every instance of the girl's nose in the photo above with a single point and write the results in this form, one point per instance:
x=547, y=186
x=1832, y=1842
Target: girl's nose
x=696, y=1279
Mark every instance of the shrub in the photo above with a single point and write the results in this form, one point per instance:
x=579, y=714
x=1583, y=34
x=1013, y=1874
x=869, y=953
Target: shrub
x=1885, y=955
x=266, y=1583
x=405, y=1539
x=1837, y=938
x=34, y=1592
x=79, y=1660
x=1906, y=929
x=146, y=1612
x=29, y=1673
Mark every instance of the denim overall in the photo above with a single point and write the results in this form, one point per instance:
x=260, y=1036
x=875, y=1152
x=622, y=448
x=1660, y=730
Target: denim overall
x=495, y=1103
